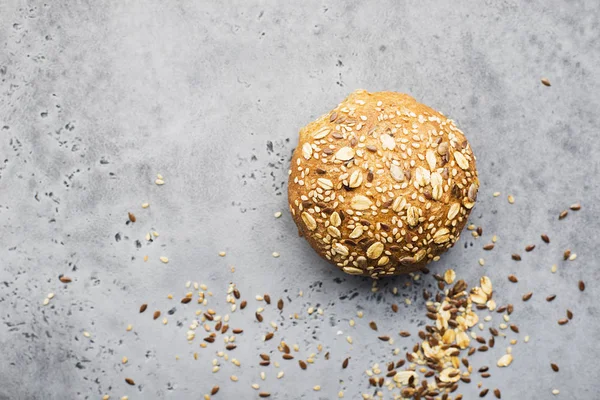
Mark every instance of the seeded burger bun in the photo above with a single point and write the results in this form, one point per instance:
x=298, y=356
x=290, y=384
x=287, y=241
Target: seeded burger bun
x=382, y=184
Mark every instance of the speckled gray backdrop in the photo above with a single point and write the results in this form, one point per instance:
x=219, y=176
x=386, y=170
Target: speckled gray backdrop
x=97, y=97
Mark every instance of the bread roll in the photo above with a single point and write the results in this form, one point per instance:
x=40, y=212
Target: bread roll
x=382, y=184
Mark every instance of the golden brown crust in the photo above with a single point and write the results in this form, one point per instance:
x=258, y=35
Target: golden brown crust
x=382, y=184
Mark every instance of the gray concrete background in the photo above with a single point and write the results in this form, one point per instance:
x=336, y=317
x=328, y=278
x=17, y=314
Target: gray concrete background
x=98, y=97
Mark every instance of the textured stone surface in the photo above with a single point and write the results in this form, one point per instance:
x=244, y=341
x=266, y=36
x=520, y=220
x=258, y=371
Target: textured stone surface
x=98, y=97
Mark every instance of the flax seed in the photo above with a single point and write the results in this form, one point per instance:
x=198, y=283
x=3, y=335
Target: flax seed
x=545, y=238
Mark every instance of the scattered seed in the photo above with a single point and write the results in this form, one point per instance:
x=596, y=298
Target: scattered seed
x=384, y=338
x=497, y=393
x=530, y=247
x=545, y=238
x=269, y=336
x=186, y=300
x=275, y=254
x=511, y=199
x=563, y=214
x=280, y=304
x=214, y=390
x=243, y=304
x=395, y=307
x=130, y=381
x=581, y=286
x=345, y=363
x=554, y=367
x=404, y=333
x=65, y=279
x=373, y=325
x=513, y=278
x=505, y=360
x=316, y=388
x=481, y=262
x=516, y=257
x=555, y=392
x=551, y=297
x=259, y=317
x=156, y=315
x=545, y=82
x=264, y=394
x=566, y=254
x=277, y=214
x=483, y=393
x=569, y=314
x=575, y=207
x=563, y=321
x=302, y=364
x=164, y=260
x=124, y=360
x=514, y=328
x=287, y=356
x=488, y=246
x=527, y=296
x=554, y=268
